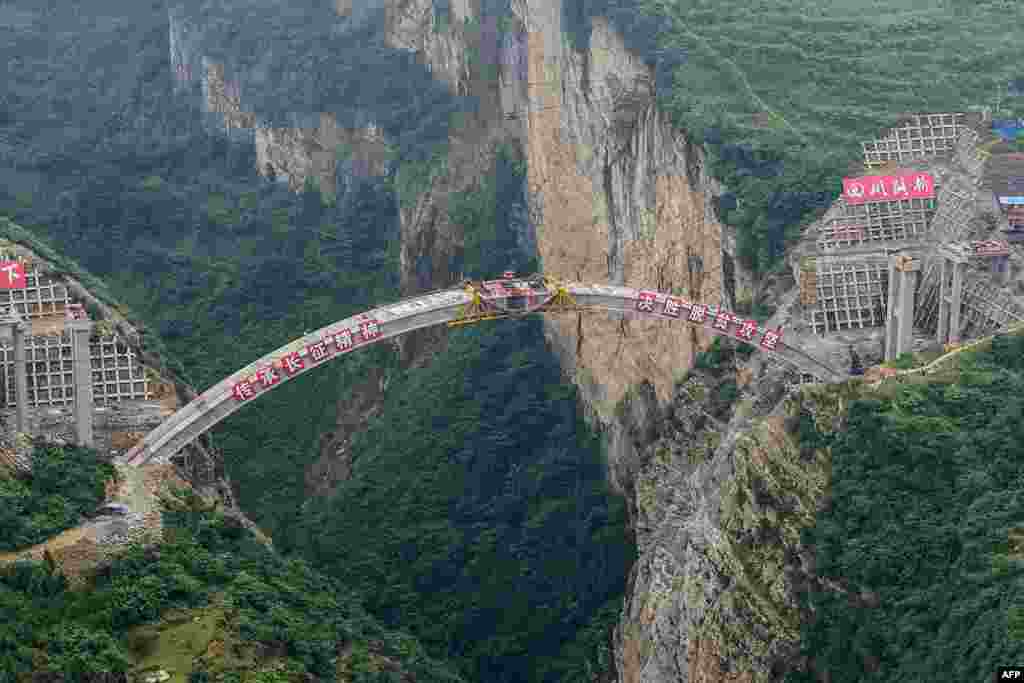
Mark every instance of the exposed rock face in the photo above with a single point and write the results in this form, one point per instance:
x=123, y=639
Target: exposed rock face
x=717, y=498
x=431, y=244
x=620, y=196
x=410, y=25
x=720, y=504
x=315, y=148
x=335, y=463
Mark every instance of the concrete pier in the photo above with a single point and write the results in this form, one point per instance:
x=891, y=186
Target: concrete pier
x=80, y=329
x=899, y=326
x=13, y=328
x=951, y=288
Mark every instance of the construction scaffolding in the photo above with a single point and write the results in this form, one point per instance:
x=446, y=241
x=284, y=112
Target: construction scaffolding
x=877, y=223
x=116, y=373
x=951, y=221
x=850, y=294
x=985, y=308
x=41, y=296
x=922, y=135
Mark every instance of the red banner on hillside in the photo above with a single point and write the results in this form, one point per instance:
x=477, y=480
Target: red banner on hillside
x=12, y=275
x=888, y=188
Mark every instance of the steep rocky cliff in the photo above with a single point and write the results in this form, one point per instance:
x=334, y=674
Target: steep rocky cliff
x=722, y=493
x=615, y=194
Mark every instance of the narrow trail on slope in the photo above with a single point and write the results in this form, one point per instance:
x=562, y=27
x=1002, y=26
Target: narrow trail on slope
x=83, y=547
x=736, y=70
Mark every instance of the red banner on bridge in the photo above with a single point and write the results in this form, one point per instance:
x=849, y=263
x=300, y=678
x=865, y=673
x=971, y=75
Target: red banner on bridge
x=990, y=248
x=12, y=275
x=888, y=188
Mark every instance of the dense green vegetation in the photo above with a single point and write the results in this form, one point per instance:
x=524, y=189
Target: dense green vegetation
x=225, y=266
x=926, y=512
x=829, y=73
x=65, y=484
x=476, y=497
x=303, y=618
x=481, y=520
x=215, y=294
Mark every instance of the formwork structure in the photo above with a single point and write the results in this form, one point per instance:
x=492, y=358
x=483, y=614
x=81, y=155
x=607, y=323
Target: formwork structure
x=41, y=295
x=50, y=359
x=117, y=374
x=850, y=294
x=921, y=135
x=952, y=218
x=876, y=223
x=983, y=307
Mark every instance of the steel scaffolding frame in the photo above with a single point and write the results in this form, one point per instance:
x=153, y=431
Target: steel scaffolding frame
x=877, y=223
x=851, y=294
x=985, y=308
x=116, y=376
x=923, y=135
x=951, y=222
x=41, y=295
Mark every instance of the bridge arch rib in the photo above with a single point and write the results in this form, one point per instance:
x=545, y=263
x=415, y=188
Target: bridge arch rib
x=386, y=322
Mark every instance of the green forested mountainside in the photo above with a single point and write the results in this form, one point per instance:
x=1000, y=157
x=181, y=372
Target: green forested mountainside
x=830, y=73
x=216, y=293
x=924, y=526
x=226, y=266
x=65, y=484
x=276, y=619
x=481, y=520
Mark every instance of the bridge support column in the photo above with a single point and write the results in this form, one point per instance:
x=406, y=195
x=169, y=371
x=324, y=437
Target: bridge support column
x=80, y=330
x=951, y=286
x=899, y=325
x=13, y=328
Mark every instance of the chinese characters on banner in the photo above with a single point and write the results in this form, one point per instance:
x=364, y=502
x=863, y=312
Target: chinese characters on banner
x=771, y=339
x=296, y=361
x=12, y=275
x=748, y=328
x=645, y=301
x=720, y=319
x=672, y=306
x=888, y=188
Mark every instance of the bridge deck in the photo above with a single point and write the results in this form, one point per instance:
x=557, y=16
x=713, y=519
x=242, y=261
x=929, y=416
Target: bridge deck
x=435, y=308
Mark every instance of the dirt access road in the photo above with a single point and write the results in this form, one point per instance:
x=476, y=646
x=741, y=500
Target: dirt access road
x=82, y=548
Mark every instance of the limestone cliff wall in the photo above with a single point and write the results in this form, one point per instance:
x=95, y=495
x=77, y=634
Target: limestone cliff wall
x=314, y=147
x=616, y=194
x=619, y=196
x=721, y=496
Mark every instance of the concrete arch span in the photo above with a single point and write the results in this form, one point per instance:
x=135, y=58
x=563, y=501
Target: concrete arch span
x=445, y=306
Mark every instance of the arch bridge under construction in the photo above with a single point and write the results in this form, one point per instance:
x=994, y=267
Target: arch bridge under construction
x=474, y=302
